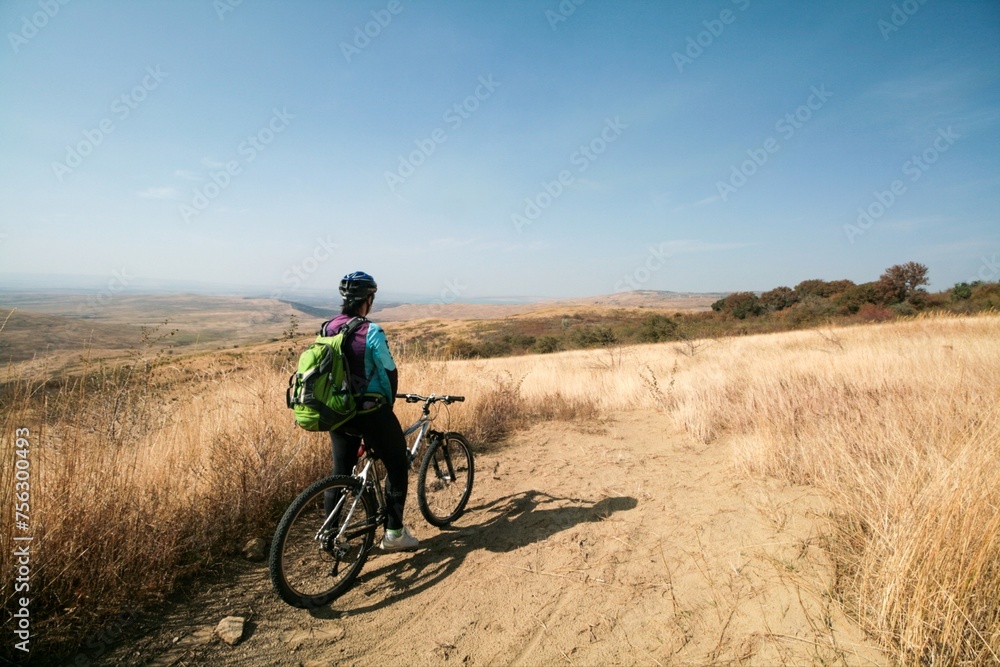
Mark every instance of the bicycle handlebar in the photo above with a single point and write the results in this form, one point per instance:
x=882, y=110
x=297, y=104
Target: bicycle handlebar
x=417, y=398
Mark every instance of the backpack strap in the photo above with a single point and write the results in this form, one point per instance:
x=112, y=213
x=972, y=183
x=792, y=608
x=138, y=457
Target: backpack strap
x=353, y=323
x=348, y=328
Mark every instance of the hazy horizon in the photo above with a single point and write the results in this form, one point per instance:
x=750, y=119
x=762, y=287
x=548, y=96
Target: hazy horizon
x=92, y=284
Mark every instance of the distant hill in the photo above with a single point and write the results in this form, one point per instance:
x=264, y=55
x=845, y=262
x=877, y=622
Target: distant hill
x=47, y=323
x=486, y=311
x=654, y=299
x=314, y=311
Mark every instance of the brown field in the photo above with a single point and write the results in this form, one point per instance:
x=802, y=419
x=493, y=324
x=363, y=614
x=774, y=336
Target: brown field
x=59, y=334
x=663, y=301
x=816, y=497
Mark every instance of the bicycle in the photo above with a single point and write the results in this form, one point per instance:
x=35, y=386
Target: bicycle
x=316, y=555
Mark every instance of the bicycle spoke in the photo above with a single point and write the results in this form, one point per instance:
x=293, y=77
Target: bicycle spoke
x=316, y=555
x=445, y=480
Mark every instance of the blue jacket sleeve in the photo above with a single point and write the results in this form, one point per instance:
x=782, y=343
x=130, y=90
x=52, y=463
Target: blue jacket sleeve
x=380, y=366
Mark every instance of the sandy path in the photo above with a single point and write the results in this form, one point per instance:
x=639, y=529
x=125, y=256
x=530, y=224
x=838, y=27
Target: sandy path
x=623, y=544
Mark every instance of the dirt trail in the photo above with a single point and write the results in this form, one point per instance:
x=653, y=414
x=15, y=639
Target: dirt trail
x=625, y=544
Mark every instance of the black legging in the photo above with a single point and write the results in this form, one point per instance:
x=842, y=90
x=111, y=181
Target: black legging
x=384, y=436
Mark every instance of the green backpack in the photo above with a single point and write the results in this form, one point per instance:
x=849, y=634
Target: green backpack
x=320, y=392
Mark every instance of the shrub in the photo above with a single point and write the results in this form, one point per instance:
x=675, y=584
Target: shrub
x=960, y=292
x=851, y=300
x=811, y=310
x=594, y=336
x=657, y=328
x=547, y=344
x=871, y=312
x=459, y=348
x=739, y=305
x=497, y=411
x=903, y=309
x=492, y=348
x=814, y=287
x=778, y=299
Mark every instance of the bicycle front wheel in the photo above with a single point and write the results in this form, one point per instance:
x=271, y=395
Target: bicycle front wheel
x=315, y=554
x=444, y=483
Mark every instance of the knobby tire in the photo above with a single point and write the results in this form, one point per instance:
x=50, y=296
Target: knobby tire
x=307, y=572
x=444, y=483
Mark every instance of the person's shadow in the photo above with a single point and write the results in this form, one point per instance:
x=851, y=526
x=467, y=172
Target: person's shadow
x=513, y=522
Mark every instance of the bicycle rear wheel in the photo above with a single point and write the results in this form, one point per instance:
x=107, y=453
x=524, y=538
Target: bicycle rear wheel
x=444, y=483
x=310, y=565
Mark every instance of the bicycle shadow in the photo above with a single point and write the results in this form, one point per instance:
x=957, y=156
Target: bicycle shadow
x=513, y=522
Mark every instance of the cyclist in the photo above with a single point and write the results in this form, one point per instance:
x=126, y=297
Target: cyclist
x=374, y=373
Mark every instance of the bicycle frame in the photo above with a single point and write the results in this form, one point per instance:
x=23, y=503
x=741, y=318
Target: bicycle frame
x=370, y=477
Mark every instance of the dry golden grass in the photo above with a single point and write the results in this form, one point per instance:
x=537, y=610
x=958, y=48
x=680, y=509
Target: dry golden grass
x=145, y=472
x=130, y=490
x=139, y=478
x=899, y=423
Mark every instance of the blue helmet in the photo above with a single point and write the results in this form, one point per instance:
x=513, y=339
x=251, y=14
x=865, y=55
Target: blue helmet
x=358, y=285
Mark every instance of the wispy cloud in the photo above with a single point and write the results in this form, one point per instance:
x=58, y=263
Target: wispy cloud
x=166, y=192
x=919, y=87
x=932, y=99
x=188, y=175
x=911, y=224
x=450, y=243
x=691, y=246
x=479, y=245
x=698, y=204
x=706, y=201
x=970, y=249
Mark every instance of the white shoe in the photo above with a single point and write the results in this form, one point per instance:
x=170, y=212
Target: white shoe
x=405, y=542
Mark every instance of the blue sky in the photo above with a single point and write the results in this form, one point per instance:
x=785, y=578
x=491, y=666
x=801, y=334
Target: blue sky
x=482, y=149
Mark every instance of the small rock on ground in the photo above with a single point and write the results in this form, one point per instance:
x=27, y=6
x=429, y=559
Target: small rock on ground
x=230, y=629
x=255, y=549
